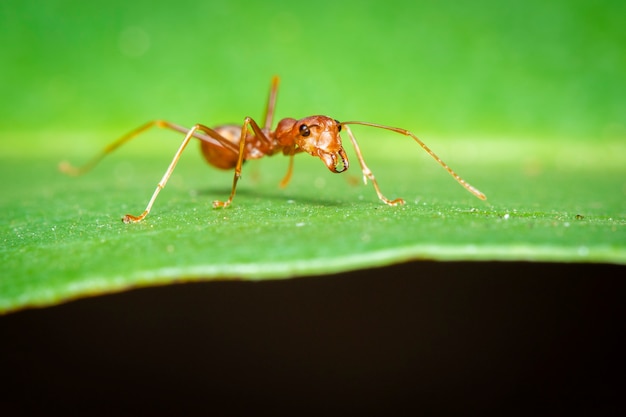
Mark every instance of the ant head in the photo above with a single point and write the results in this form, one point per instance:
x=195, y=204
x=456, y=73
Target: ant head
x=317, y=136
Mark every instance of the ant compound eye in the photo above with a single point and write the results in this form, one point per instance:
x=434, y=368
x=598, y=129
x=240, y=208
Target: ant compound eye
x=304, y=130
x=339, y=125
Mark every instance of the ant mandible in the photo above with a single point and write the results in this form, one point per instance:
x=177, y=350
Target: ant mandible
x=228, y=146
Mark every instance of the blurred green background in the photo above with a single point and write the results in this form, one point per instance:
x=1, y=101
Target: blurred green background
x=453, y=68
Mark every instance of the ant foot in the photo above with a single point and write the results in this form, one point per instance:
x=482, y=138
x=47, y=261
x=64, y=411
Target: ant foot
x=67, y=168
x=396, y=202
x=220, y=204
x=129, y=218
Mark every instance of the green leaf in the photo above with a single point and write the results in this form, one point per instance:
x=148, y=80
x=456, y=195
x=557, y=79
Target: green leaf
x=62, y=236
x=526, y=75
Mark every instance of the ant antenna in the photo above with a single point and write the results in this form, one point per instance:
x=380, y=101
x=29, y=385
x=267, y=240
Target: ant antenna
x=405, y=132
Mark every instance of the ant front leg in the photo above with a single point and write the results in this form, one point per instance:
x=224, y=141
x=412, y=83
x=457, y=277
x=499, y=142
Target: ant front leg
x=405, y=132
x=367, y=173
x=291, y=153
x=285, y=181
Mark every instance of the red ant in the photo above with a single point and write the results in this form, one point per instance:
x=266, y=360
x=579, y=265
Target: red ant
x=228, y=146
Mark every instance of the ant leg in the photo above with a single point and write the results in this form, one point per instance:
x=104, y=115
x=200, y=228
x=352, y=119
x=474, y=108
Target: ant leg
x=212, y=135
x=367, y=173
x=285, y=181
x=248, y=122
x=129, y=218
x=69, y=169
x=240, y=159
x=271, y=104
x=475, y=191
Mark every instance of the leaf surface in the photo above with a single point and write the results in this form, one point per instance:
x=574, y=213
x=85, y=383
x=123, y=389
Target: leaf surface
x=62, y=236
